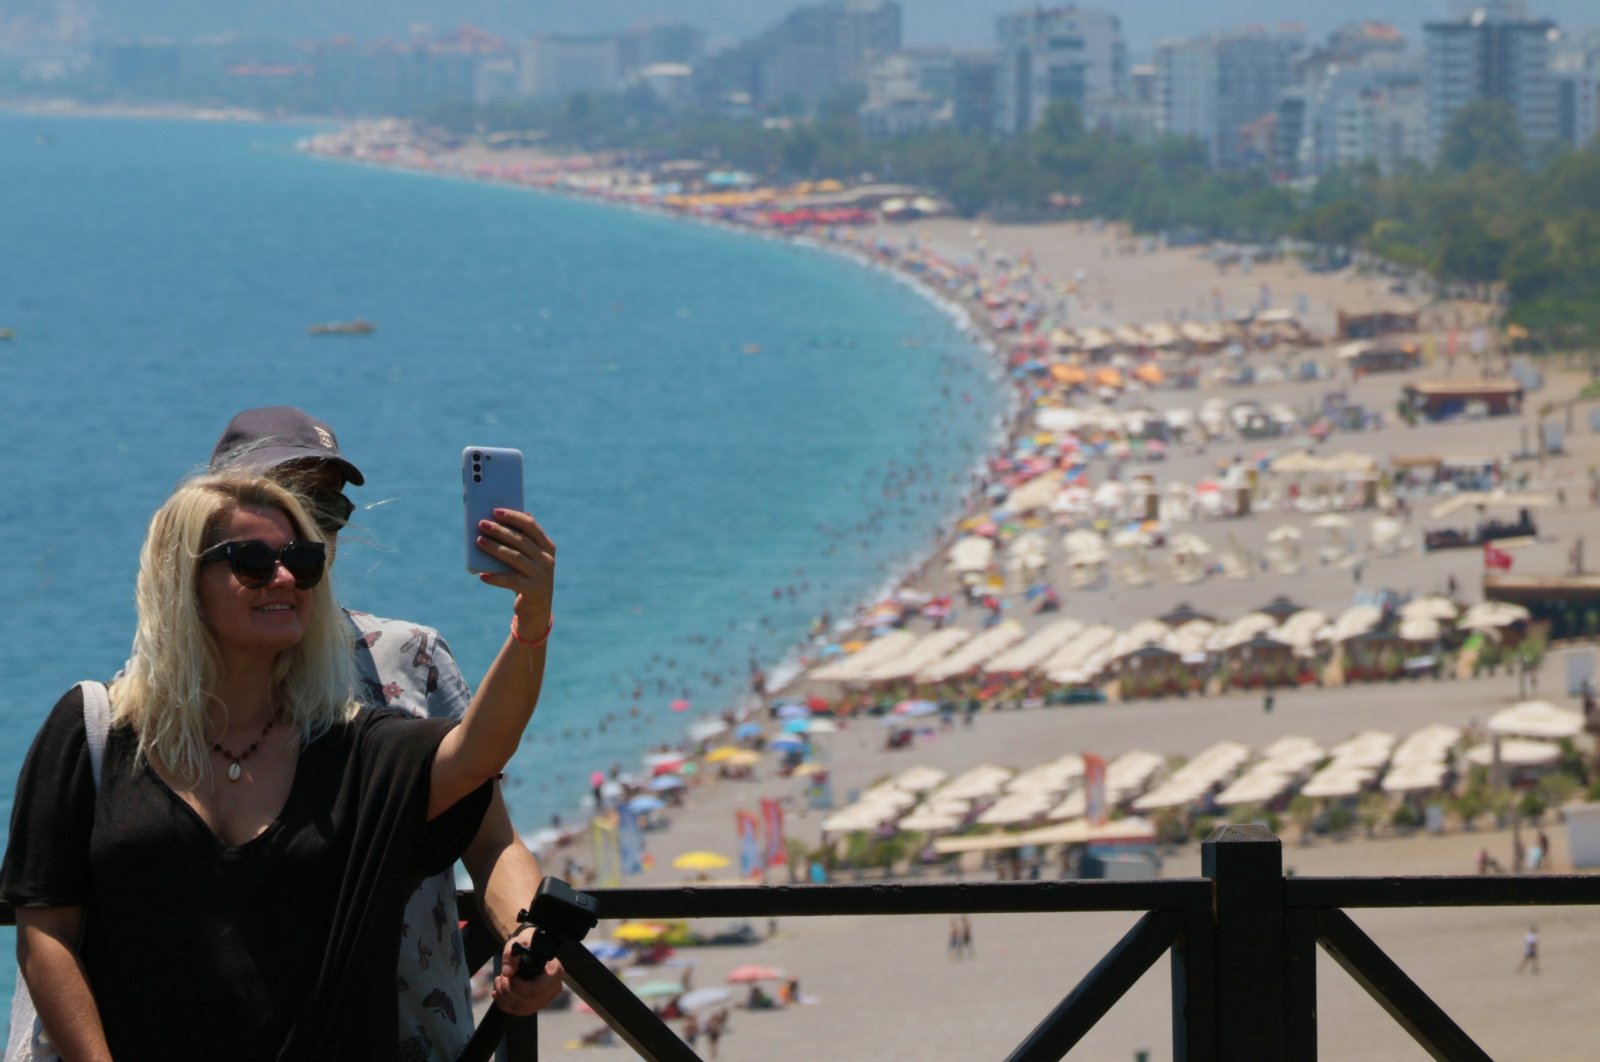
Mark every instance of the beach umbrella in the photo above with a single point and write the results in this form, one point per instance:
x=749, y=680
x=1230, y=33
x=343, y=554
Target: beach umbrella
x=701, y=998
x=638, y=932
x=751, y=972
x=722, y=752
x=809, y=768
x=913, y=709
x=680, y=705
x=644, y=803
x=786, y=743
x=793, y=711
x=606, y=951
x=1536, y=719
x=1431, y=607
x=1516, y=753
x=700, y=861
x=747, y=730
x=664, y=782
x=822, y=726
x=744, y=758
x=659, y=989
x=795, y=726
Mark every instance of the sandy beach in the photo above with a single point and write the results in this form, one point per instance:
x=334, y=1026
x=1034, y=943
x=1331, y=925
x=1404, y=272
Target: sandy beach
x=885, y=988
x=900, y=997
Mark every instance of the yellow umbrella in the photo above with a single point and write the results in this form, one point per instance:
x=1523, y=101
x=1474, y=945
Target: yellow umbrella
x=700, y=861
x=810, y=767
x=744, y=758
x=723, y=752
x=639, y=931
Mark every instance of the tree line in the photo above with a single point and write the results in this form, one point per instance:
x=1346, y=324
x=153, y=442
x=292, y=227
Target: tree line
x=1492, y=212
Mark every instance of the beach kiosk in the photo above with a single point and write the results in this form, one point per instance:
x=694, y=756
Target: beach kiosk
x=1446, y=397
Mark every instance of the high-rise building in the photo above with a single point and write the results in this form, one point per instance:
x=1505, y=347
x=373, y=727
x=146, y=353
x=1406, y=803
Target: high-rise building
x=1369, y=109
x=909, y=92
x=653, y=43
x=811, y=54
x=556, y=65
x=1492, y=52
x=1218, y=89
x=1576, y=67
x=1063, y=53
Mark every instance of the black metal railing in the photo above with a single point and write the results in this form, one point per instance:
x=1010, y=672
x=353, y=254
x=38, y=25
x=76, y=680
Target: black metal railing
x=1243, y=940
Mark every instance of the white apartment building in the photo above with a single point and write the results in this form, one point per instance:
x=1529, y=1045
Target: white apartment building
x=1213, y=89
x=558, y=65
x=1050, y=54
x=1373, y=109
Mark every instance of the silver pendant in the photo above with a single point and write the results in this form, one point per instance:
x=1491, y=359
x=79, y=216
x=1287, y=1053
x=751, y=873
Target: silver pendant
x=234, y=771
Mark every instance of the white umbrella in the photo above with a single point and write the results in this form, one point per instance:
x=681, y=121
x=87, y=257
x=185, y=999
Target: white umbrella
x=1284, y=533
x=1331, y=521
x=1430, y=607
x=919, y=779
x=929, y=821
x=1334, y=782
x=1409, y=777
x=1538, y=719
x=1516, y=753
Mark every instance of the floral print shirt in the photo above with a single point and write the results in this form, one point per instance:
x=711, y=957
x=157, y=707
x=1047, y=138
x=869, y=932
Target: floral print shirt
x=404, y=665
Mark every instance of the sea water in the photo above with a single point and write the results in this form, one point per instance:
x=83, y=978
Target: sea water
x=725, y=435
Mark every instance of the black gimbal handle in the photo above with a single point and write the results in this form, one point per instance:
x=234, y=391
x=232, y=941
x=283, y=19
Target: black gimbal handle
x=558, y=912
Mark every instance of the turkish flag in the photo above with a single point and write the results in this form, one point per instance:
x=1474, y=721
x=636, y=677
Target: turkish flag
x=1496, y=559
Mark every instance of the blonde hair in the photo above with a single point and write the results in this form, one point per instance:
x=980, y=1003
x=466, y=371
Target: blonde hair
x=168, y=686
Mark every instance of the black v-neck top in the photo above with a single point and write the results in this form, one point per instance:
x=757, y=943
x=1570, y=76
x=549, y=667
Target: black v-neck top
x=283, y=947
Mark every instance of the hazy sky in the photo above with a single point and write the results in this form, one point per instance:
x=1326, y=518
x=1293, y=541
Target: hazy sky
x=967, y=22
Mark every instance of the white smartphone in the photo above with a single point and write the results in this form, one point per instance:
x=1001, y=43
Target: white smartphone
x=491, y=478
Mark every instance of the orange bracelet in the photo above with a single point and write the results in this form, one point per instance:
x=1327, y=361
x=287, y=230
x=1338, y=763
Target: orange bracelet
x=542, y=638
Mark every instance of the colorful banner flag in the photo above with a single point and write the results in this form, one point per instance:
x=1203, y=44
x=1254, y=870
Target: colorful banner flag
x=749, y=844
x=1496, y=559
x=630, y=844
x=607, y=853
x=1094, y=790
x=776, y=851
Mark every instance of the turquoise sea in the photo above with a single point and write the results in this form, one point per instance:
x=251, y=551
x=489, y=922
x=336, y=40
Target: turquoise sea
x=725, y=435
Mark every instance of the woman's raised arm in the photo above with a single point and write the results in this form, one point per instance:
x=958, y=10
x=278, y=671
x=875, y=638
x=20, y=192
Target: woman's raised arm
x=479, y=748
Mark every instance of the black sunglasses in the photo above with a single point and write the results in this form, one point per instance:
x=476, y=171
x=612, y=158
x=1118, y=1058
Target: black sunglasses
x=254, y=563
x=330, y=509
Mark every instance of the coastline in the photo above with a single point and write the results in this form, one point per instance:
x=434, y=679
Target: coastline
x=986, y=342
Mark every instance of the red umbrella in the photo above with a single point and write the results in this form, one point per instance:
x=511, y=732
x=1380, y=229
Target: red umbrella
x=680, y=705
x=745, y=973
x=817, y=703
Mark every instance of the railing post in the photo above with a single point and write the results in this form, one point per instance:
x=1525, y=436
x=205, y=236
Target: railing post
x=1245, y=864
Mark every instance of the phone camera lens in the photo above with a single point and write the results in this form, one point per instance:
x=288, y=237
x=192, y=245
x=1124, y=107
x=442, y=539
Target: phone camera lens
x=477, y=456
x=477, y=467
x=477, y=478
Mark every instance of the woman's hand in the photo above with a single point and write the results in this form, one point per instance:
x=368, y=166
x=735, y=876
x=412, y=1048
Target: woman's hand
x=519, y=996
x=516, y=539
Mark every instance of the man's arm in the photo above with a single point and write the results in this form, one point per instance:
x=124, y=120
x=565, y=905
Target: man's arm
x=506, y=876
x=504, y=873
x=47, y=956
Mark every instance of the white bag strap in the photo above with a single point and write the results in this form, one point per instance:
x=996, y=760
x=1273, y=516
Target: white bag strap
x=27, y=1042
x=96, y=724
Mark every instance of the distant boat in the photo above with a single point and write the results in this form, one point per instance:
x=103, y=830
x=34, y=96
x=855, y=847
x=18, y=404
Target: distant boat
x=358, y=327
x=6, y=333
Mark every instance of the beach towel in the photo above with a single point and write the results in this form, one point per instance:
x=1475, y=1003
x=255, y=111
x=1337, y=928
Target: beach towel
x=27, y=1042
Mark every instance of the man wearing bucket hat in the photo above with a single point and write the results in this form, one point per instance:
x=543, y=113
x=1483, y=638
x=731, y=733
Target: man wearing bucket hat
x=409, y=666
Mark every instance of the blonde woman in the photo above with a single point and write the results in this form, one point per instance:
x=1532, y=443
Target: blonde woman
x=235, y=886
